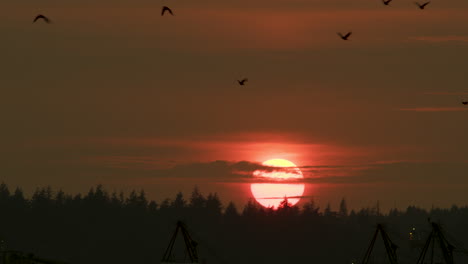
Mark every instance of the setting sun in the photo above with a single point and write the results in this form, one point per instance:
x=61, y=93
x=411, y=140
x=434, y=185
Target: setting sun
x=273, y=193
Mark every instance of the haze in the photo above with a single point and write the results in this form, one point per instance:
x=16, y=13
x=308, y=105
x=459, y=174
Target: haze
x=112, y=93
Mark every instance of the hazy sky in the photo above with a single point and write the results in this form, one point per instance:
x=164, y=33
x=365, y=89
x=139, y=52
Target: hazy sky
x=113, y=93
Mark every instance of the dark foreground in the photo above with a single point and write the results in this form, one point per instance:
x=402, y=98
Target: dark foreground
x=110, y=228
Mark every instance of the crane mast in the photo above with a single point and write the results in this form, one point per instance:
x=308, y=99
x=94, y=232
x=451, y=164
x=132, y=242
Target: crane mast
x=437, y=236
x=390, y=247
x=190, y=245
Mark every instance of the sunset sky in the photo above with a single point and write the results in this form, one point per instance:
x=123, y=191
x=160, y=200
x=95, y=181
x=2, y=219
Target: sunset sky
x=112, y=93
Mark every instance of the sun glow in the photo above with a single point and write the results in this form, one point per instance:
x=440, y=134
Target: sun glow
x=272, y=194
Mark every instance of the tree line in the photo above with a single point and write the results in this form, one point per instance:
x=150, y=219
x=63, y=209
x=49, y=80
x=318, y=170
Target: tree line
x=99, y=226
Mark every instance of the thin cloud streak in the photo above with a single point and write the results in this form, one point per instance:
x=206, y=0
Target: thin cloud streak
x=222, y=171
x=377, y=173
x=446, y=93
x=435, y=109
x=440, y=39
x=289, y=197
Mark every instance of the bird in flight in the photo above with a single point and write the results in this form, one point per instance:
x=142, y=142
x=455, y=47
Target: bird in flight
x=465, y=102
x=345, y=37
x=386, y=2
x=41, y=17
x=242, y=82
x=421, y=6
x=164, y=9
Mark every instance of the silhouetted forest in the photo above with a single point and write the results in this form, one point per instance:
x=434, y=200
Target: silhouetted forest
x=102, y=227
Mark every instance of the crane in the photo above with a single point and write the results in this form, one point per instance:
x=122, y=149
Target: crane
x=390, y=247
x=437, y=236
x=190, y=245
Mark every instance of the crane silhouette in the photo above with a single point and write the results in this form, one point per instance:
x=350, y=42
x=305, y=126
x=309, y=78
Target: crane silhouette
x=242, y=82
x=164, y=9
x=344, y=37
x=386, y=2
x=47, y=20
x=422, y=6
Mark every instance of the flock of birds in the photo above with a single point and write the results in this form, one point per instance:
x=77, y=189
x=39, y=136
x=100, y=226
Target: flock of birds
x=48, y=21
x=385, y=2
x=165, y=9
x=346, y=36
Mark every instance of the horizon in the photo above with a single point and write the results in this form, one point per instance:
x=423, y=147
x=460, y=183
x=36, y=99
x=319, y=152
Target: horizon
x=321, y=205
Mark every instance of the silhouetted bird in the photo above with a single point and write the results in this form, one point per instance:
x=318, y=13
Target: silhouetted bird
x=242, y=82
x=164, y=9
x=421, y=6
x=386, y=2
x=345, y=37
x=42, y=17
x=465, y=102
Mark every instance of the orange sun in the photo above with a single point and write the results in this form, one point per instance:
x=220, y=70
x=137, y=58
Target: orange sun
x=272, y=194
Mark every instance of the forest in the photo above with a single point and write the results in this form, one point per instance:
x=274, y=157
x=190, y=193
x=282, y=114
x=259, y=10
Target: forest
x=103, y=227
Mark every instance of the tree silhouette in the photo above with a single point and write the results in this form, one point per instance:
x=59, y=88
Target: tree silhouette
x=137, y=201
x=285, y=208
x=231, y=211
x=153, y=207
x=4, y=193
x=42, y=198
x=213, y=205
x=18, y=199
x=327, y=211
x=343, y=212
x=197, y=200
x=310, y=209
x=252, y=209
x=285, y=204
x=165, y=205
x=117, y=200
x=179, y=202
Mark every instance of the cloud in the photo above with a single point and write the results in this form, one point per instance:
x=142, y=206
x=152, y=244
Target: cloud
x=446, y=93
x=435, y=109
x=398, y=172
x=405, y=172
x=290, y=197
x=222, y=171
x=219, y=171
x=440, y=39
x=402, y=173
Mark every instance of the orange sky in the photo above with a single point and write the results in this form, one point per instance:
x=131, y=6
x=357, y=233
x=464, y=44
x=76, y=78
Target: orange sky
x=113, y=93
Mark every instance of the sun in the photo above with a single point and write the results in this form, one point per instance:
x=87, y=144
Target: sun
x=272, y=194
